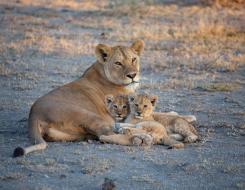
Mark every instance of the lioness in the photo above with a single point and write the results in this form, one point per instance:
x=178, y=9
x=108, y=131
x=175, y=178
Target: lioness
x=139, y=122
x=77, y=110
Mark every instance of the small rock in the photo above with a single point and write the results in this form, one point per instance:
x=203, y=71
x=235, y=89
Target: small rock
x=62, y=176
x=109, y=184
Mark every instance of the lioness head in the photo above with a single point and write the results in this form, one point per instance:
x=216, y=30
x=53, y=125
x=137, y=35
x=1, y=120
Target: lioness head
x=118, y=106
x=142, y=105
x=121, y=64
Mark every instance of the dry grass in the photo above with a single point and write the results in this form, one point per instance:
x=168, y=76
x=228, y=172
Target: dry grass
x=219, y=87
x=12, y=176
x=69, y=4
x=187, y=38
x=225, y=3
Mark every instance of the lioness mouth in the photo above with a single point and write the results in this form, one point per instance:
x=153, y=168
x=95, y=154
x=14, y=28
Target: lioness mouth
x=132, y=83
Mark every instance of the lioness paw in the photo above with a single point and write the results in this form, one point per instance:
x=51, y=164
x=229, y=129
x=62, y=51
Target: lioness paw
x=103, y=138
x=142, y=139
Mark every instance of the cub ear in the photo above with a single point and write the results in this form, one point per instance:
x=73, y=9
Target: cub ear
x=138, y=46
x=108, y=99
x=154, y=100
x=102, y=52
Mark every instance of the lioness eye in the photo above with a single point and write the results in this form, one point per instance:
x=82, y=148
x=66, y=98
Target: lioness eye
x=145, y=106
x=118, y=63
x=115, y=106
x=133, y=60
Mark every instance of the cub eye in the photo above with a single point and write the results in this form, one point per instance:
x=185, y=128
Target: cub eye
x=145, y=106
x=124, y=106
x=118, y=63
x=133, y=60
x=136, y=105
x=115, y=106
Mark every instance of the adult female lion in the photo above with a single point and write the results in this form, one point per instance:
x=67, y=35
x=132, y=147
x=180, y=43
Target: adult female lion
x=76, y=110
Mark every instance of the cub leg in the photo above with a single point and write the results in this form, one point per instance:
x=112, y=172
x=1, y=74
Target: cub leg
x=157, y=116
x=157, y=131
x=176, y=136
x=183, y=128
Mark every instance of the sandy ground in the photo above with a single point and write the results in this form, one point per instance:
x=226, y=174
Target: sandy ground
x=194, y=61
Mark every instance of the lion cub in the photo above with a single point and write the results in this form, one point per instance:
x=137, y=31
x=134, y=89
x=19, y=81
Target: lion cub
x=142, y=107
x=140, y=125
x=118, y=106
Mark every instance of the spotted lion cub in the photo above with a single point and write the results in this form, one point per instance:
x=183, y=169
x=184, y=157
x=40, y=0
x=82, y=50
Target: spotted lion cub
x=140, y=127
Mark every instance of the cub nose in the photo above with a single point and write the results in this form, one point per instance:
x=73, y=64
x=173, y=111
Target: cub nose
x=138, y=112
x=131, y=75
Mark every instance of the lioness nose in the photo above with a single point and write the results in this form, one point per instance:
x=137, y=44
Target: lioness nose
x=131, y=75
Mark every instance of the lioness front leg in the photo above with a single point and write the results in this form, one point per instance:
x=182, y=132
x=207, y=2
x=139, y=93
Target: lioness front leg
x=119, y=139
x=94, y=124
x=159, y=134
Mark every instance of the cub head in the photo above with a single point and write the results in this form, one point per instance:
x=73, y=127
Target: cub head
x=142, y=105
x=118, y=106
x=121, y=64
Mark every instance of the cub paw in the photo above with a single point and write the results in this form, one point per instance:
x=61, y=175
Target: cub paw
x=191, y=139
x=191, y=118
x=178, y=145
x=125, y=131
x=173, y=113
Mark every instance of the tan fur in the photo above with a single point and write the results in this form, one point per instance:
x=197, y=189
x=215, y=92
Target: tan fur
x=118, y=106
x=77, y=110
x=141, y=109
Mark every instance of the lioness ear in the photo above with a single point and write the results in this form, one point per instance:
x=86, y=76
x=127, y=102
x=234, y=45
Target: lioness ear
x=102, y=52
x=153, y=100
x=138, y=46
x=108, y=99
